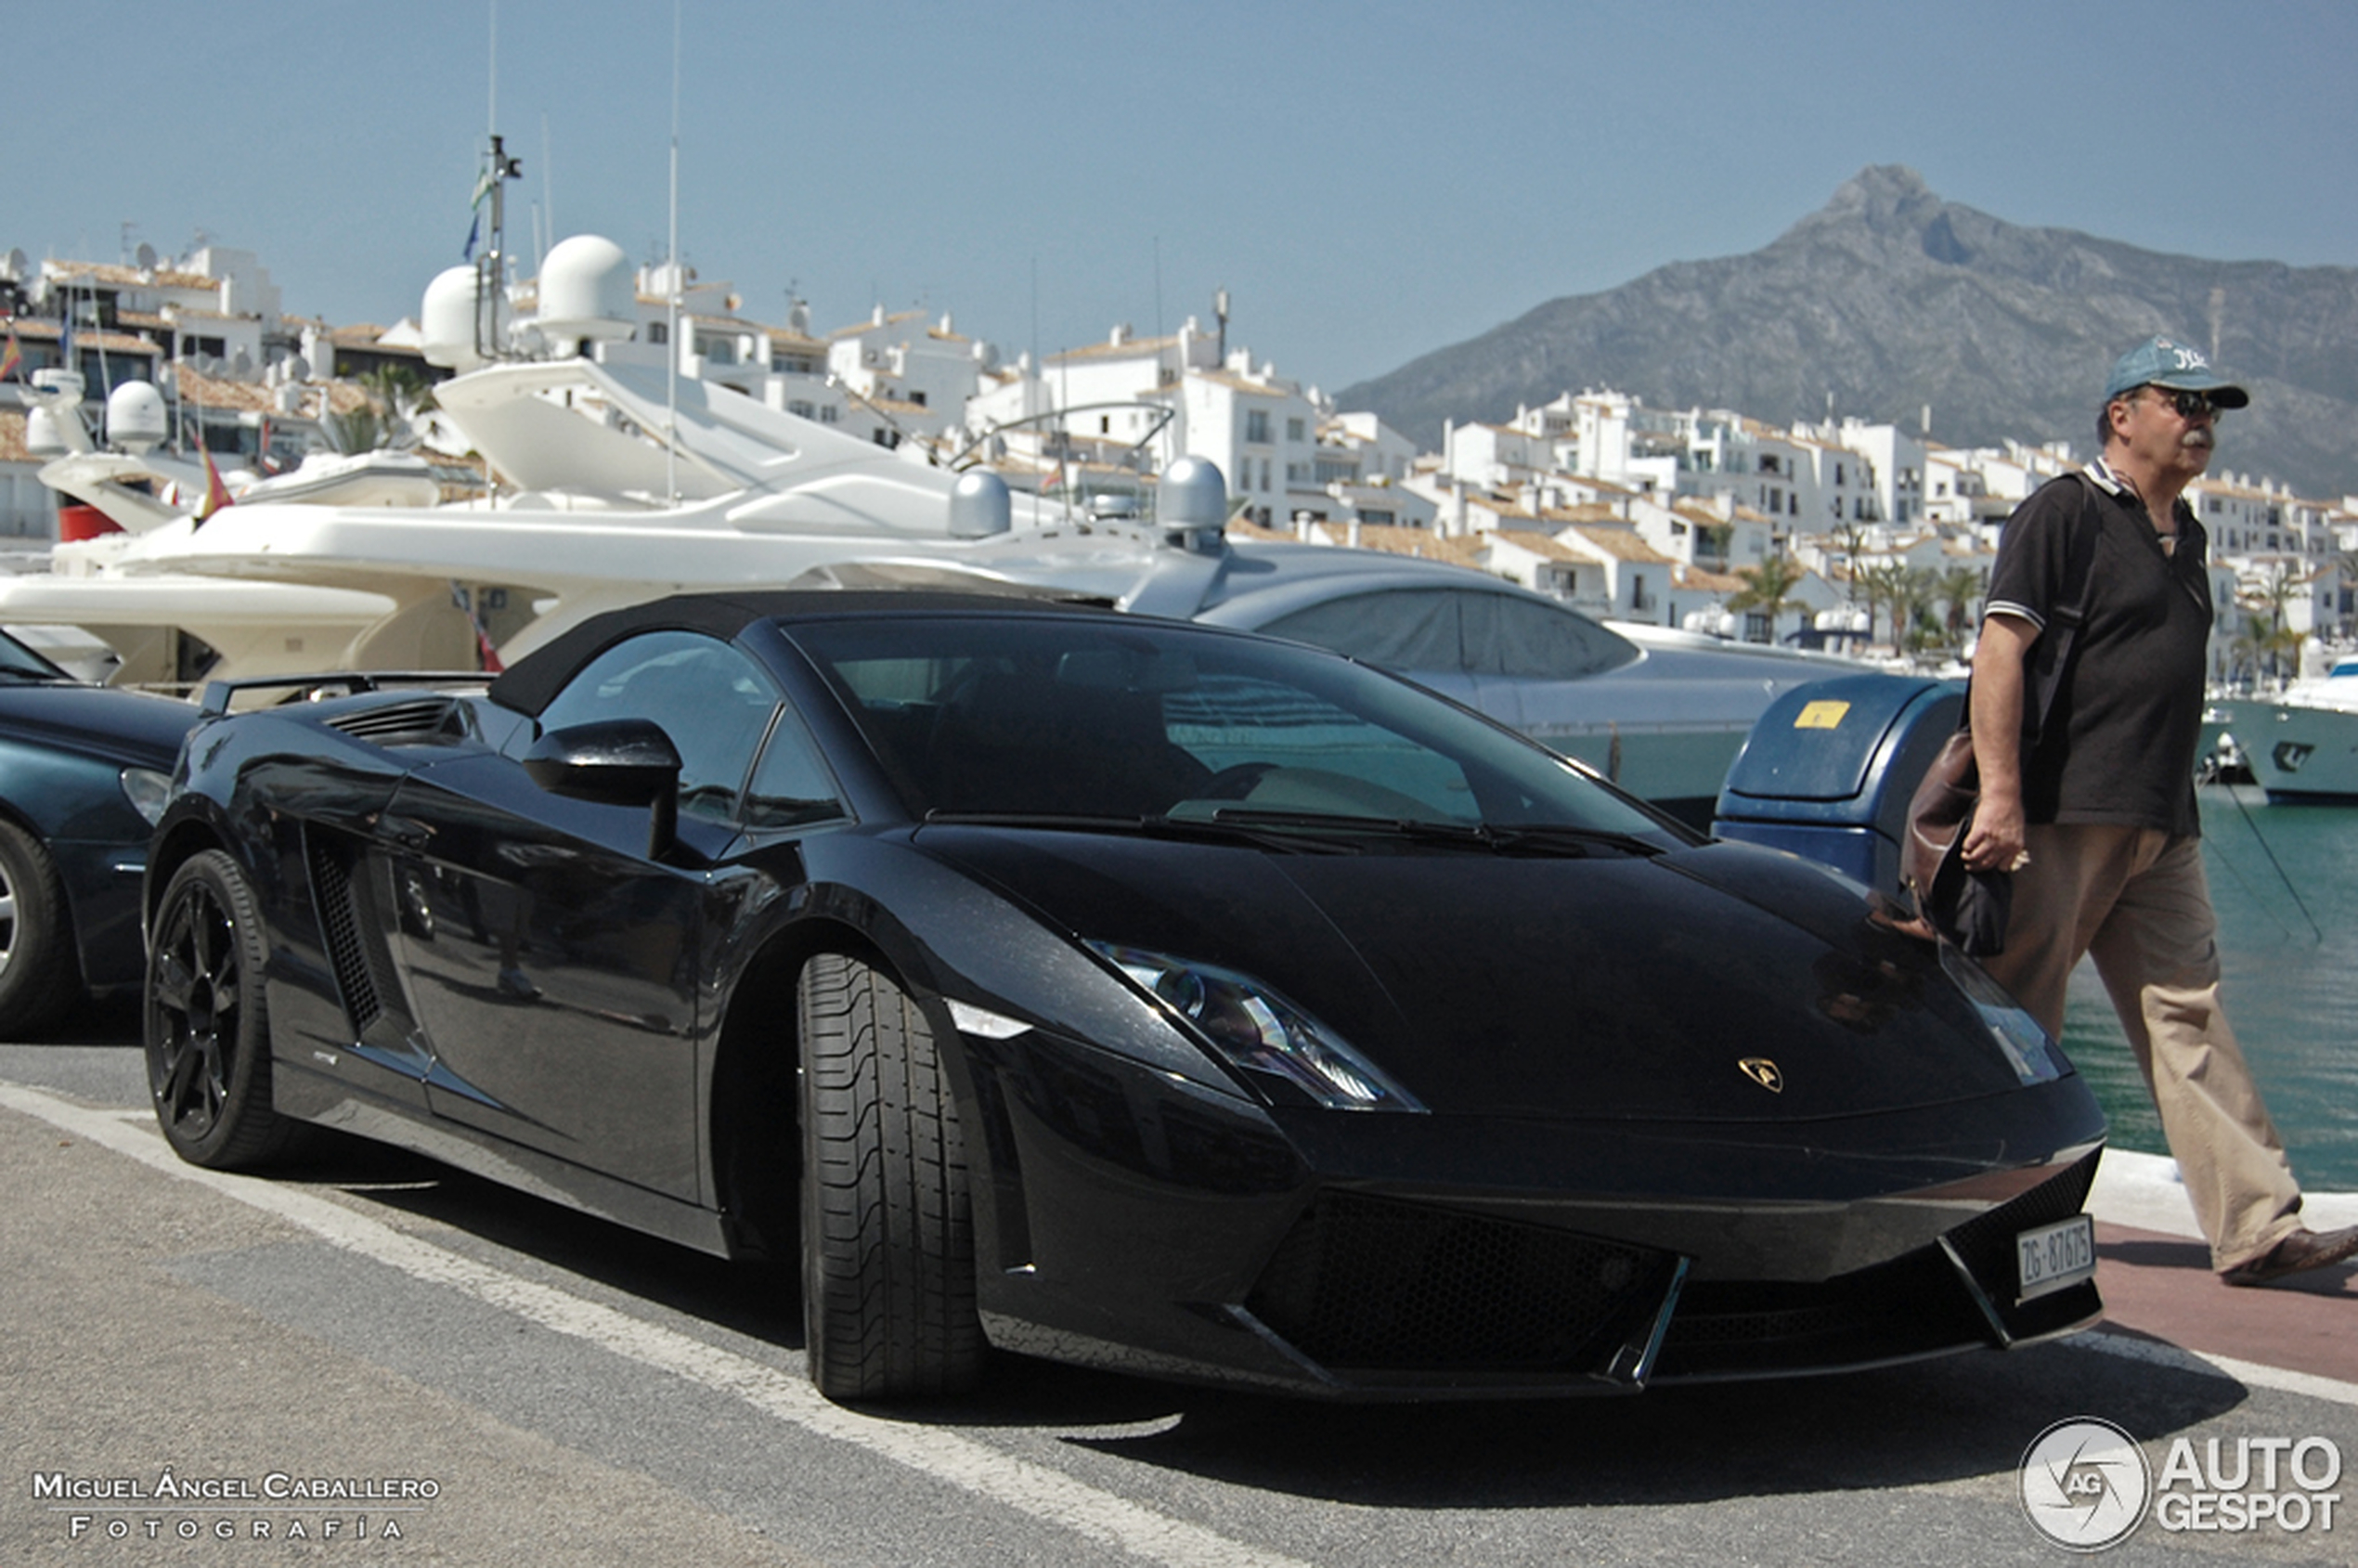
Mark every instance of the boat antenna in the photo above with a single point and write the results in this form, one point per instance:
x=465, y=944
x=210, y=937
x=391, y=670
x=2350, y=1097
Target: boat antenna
x=671, y=346
x=498, y=169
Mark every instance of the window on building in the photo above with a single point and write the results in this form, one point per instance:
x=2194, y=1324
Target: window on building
x=1293, y=430
x=801, y=409
x=658, y=333
x=828, y=414
x=1257, y=426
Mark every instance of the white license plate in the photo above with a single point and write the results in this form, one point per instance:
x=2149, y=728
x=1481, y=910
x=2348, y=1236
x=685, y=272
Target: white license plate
x=2056, y=1256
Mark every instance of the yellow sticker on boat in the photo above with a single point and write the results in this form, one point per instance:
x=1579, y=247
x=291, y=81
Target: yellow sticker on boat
x=1821, y=715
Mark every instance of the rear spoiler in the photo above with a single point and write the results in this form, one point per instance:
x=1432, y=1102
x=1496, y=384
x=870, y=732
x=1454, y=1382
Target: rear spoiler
x=219, y=695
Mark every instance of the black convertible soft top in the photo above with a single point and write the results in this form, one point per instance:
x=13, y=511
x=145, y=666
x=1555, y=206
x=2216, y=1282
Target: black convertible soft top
x=533, y=682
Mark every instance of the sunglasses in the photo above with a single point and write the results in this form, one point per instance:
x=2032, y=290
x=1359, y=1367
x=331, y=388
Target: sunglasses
x=2190, y=405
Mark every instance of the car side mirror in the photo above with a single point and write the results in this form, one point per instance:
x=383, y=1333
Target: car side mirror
x=614, y=762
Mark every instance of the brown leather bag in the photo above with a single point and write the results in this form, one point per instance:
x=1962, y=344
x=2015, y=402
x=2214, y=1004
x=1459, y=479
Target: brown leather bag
x=1960, y=906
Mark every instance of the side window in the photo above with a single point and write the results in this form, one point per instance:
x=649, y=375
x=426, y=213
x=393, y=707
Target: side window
x=1450, y=631
x=1397, y=629
x=713, y=701
x=791, y=787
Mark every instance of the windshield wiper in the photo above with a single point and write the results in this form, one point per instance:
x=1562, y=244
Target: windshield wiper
x=1547, y=838
x=1202, y=829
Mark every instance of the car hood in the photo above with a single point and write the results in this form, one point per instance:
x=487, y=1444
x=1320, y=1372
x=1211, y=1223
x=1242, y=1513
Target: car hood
x=1612, y=986
x=133, y=727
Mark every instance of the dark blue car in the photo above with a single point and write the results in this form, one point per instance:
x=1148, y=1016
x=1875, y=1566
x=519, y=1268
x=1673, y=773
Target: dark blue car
x=84, y=770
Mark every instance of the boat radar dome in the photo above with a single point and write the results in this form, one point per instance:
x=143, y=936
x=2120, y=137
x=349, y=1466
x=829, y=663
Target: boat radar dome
x=979, y=506
x=446, y=322
x=42, y=437
x=1191, y=504
x=586, y=290
x=136, y=420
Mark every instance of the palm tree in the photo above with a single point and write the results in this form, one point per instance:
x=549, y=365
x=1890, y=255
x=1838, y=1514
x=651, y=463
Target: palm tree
x=2268, y=595
x=1960, y=588
x=1883, y=583
x=1768, y=589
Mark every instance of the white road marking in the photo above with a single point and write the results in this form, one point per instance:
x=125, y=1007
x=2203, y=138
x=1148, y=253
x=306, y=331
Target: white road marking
x=2251, y=1374
x=1033, y=1489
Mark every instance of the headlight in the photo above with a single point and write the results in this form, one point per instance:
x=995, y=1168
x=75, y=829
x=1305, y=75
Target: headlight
x=145, y=789
x=2034, y=1057
x=1258, y=1031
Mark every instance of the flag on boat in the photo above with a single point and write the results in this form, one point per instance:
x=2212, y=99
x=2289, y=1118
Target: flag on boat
x=10, y=356
x=216, y=493
x=484, y=650
x=486, y=183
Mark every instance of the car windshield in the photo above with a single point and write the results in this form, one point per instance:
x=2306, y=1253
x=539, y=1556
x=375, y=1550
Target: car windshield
x=1054, y=716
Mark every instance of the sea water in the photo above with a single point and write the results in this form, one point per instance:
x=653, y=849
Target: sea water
x=2284, y=882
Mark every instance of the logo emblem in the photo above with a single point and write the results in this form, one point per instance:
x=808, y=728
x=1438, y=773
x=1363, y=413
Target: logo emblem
x=1763, y=1071
x=2085, y=1484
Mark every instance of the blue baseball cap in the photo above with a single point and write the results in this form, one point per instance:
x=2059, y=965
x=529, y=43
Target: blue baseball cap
x=2160, y=361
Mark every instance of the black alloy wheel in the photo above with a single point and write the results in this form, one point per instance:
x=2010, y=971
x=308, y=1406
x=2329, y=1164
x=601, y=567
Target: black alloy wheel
x=888, y=1236
x=208, y=1038
x=38, y=975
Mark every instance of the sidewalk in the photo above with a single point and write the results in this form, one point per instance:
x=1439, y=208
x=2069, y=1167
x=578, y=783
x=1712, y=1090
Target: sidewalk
x=2154, y=1272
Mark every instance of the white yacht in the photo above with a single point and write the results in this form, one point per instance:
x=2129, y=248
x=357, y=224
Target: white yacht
x=2302, y=745
x=620, y=483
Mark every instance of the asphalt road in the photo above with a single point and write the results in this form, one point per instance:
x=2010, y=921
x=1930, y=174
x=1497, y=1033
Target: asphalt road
x=502, y=1382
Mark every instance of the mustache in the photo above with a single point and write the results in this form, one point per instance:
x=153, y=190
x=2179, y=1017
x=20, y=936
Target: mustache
x=2198, y=436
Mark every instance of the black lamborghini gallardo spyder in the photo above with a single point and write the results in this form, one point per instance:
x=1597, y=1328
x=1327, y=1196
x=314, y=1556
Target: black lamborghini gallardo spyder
x=1126, y=993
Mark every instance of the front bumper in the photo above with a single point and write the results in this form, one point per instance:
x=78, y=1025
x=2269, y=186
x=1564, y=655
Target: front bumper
x=1131, y=1221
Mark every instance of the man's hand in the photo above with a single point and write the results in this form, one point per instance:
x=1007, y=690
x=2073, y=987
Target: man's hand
x=1995, y=842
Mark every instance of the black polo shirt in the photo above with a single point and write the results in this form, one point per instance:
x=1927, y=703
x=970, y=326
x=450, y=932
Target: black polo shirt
x=2119, y=743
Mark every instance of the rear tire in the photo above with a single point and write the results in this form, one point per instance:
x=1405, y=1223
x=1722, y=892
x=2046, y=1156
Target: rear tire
x=887, y=1239
x=39, y=976
x=208, y=1034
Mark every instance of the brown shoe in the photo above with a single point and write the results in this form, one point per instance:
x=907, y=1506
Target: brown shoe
x=2297, y=1253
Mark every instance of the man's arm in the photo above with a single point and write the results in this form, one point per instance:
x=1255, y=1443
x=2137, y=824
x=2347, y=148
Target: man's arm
x=1999, y=664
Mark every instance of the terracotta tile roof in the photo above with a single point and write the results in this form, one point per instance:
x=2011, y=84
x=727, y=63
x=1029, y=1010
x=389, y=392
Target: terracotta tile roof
x=1128, y=348
x=1710, y=582
x=1622, y=544
x=870, y=324
x=1541, y=544
x=128, y=277
x=198, y=390
x=1239, y=529
x=1394, y=539
x=1230, y=379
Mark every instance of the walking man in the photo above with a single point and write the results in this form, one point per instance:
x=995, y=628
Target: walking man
x=2098, y=818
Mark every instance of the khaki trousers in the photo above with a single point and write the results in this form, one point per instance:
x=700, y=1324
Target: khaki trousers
x=2137, y=900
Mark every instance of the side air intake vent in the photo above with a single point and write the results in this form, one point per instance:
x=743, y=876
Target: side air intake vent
x=340, y=923
x=413, y=720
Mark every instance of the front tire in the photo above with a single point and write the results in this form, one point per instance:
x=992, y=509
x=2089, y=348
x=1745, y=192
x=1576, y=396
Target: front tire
x=208, y=1035
x=39, y=977
x=887, y=1239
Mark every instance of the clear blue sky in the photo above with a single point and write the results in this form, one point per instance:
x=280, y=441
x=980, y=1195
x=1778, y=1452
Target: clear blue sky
x=1370, y=180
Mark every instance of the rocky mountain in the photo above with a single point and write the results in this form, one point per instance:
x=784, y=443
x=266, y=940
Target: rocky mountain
x=1891, y=299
